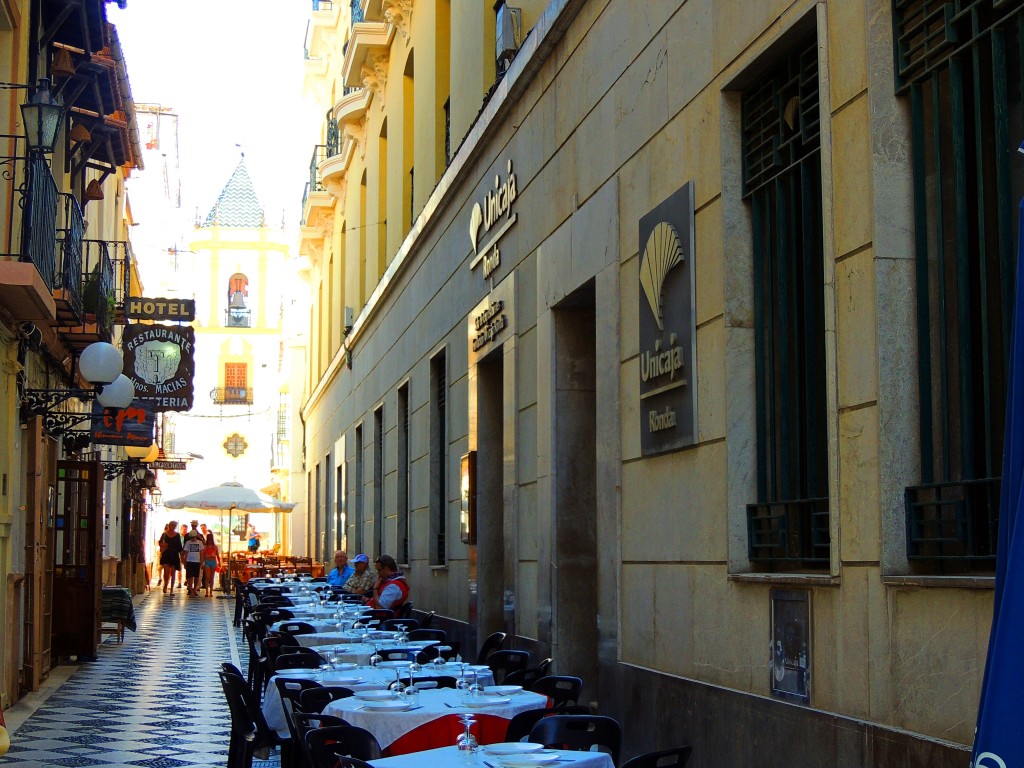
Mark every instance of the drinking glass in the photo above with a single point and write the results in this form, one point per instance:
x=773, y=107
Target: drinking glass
x=376, y=658
x=466, y=742
x=439, y=661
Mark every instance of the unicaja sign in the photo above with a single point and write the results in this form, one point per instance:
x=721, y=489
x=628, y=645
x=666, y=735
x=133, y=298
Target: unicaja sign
x=667, y=326
x=493, y=212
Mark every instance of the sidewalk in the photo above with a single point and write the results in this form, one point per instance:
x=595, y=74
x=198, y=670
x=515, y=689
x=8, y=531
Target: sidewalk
x=153, y=701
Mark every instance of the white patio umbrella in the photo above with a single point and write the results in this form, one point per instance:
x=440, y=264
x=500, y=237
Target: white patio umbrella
x=228, y=497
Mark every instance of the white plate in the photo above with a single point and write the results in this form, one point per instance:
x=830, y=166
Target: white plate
x=375, y=695
x=528, y=761
x=342, y=679
x=502, y=690
x=394, y=664
x=308, y=674
x=342, y=667
x=388, y=706
x=420, y=643
x=479, y=667
x=513, y=748
x=487, y=701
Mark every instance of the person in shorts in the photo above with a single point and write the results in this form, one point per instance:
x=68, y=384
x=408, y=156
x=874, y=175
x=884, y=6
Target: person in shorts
x=192, y=558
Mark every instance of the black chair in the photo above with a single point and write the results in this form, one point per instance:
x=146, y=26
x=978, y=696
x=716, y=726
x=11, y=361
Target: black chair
x=291, y=689
x=404, y=611
x=447, y=651
x=520, y=725
x=277, y=601
x=298, y=661
x=296, y=628
x=249, y=729
x=304, y=722
x=562, y=690
x=676, y=757
x=315, y=699
x=491, y=644
x=396, y=625
x=398, y=654
x=381, y=614
x=326, y=745
x=347, y=597
x=579, y=732
x=427, y=621
x=429, y=634
x=527, y=677
x=231, y=669
x=503, y=662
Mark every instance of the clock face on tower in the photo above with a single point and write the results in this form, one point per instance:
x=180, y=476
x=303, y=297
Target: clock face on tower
x=235, y=445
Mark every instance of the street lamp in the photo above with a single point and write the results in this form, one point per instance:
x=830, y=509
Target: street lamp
x=100, y=365
x=42, y=115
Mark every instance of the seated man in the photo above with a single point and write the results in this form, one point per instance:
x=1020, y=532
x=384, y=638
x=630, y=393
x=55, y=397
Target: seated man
x=391, y=589
x=342, y=571
x=361, y=582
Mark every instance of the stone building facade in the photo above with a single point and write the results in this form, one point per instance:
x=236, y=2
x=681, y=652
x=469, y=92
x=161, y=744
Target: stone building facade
x=674, y=348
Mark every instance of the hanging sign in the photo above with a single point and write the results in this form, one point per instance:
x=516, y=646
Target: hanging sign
x=141, y=308
x=133, y=425
x=667, y=326
x=160, y=361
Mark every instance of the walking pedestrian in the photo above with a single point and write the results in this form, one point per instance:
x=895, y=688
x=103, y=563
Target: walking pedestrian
x=211, y=559
x=191, y=557
x=170, y=554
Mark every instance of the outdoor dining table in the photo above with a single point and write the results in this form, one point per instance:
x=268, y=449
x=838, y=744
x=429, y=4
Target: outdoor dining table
x=450, y=757
x=370, y=679
x=433, y=721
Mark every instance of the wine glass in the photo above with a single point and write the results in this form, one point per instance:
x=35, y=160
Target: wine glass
x=466, y=742
x=462, y=683
x=399, y=686
x=376, y=658
x=439, y=660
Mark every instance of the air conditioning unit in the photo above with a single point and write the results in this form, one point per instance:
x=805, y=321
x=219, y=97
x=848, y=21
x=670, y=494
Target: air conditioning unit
x=349, y=319
x=508, y=29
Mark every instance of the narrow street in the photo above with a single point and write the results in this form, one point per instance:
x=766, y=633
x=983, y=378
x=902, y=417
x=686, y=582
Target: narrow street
x=153, y=701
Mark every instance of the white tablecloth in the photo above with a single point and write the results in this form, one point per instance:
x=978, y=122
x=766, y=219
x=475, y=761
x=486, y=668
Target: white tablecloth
x=373, y=679
x=433, y=703
x=450, y=757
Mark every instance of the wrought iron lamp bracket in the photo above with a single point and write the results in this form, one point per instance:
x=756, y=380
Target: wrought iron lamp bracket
x=35, y=402
x=61, y=422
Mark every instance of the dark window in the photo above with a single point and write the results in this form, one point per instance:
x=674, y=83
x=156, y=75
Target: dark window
x=447, y=132
x=788, y=527
x=438, y=457
x=378, y=481
x=961, y=73
x=402, y=552
x=358, y=512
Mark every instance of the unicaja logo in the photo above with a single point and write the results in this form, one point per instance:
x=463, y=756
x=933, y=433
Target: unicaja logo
x=486, y=214
x=988, y=760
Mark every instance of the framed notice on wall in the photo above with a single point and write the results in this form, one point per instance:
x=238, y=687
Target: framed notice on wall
x=467, y=486
x=791, y=645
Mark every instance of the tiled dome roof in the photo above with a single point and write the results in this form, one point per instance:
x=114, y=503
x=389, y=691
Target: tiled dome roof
x=237, y=204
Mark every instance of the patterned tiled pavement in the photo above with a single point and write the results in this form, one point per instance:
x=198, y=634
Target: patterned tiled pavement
x=154, y=701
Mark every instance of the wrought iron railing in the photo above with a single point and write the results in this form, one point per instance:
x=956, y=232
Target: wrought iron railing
x=305, y=198
x=323, y=5
x=789, y=534
x=69, y=271
x=953, y=521
x=97, y=283
x=39, y=221
x=315, y=181
x=357, y=11
x=333, y=135
x=236, y=317
x=232, y=395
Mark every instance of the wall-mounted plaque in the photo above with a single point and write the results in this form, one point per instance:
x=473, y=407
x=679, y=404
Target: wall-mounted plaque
x=667, y=326
x=133, y=425
x=142, y=308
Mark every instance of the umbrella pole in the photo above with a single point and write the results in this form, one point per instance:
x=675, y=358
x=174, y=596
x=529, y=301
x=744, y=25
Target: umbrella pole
x=227, y=582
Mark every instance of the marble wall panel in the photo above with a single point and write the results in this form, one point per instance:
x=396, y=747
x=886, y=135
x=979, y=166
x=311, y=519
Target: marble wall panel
x=858, y=502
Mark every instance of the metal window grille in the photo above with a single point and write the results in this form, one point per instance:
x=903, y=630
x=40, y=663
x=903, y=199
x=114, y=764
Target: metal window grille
x=960, y=66
x=412, y=196
x=439, y=455
x=357, y=11
x=333, y=135
x=358, y=512
x=782, y=182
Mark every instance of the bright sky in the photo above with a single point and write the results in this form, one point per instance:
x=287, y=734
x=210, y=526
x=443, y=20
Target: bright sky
x=233, y=73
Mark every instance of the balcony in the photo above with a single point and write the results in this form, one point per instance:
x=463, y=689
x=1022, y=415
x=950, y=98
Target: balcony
x=789, y=535
x=28, y=249
x=370, y=43
x=231, y=395
x=315, y=197
x=237, y=317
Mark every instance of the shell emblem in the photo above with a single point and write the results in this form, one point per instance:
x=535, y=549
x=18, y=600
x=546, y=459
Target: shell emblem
x=662, y=252
x=476, y=218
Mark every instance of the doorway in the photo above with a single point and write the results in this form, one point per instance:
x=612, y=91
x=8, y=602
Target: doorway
x=490, y=497
x=575, y=565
